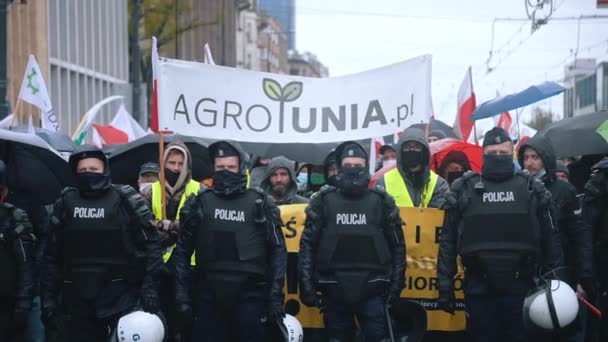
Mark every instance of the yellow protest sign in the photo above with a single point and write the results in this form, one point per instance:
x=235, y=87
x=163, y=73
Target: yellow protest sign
x=293, y=217
x=421, y=231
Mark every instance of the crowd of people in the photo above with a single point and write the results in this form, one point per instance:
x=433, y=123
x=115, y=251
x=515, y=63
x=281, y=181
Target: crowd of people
x=206, y=260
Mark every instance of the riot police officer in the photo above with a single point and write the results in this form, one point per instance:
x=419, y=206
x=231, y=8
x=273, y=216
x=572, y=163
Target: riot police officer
x=352, y=251
x=235, y=233
x=16, y=266
x=102, y=255
x=499, y=223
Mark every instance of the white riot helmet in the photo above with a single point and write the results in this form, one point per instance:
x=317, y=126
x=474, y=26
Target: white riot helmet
x=140, y=326
x=295, y=333
x=551, y=307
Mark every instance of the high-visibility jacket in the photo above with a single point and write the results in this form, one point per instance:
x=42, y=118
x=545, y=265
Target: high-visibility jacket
x=396, y=187
x=192, y=187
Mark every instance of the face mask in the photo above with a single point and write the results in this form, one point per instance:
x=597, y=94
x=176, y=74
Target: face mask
x=391, y=162
x=171, y=177
x=317, y=179
x=353, y=180
x=411, y=159
x=302, y=179
x=497, y=167
x=92, y=181
x=454, y=175
x=227, y=182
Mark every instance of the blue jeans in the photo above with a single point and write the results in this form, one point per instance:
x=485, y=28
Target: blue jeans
x=35, y=328
x=492, y=318
x=339, y=319
x=245, y=322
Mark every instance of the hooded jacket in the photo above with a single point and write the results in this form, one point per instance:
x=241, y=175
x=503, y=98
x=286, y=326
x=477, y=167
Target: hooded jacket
x=290, y=196
x=438, y=197
x=576, y=237
x=191, y=216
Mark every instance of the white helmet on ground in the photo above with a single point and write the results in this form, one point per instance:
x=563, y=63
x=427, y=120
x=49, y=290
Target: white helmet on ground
x=140, y=326
x=295, y=333
x=551, y=307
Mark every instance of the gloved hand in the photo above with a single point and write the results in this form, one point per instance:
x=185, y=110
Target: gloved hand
x=174, y=228
x=163, y=225
x=183, y=317
x=447, y=302
x=392, y=297
x=589, y=287
x=310, y=298
x=276, y=312
x=150, y=303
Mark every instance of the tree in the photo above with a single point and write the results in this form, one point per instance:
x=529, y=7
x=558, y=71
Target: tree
x=540, y=118
x=165, y=20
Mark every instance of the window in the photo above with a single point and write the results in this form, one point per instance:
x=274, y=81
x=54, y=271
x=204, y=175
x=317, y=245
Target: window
x=585, y=92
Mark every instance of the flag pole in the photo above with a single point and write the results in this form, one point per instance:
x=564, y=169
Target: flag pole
x=161, y=163
x=518, y=131
x=475, y=133
x=17, y=107
x=80, y=126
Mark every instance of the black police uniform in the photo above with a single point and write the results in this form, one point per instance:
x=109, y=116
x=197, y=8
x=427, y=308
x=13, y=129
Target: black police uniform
x=595, y=215
x=500, y=224
x=102, y=257
x=17, y=244
x=352, y=252
x=236, y=289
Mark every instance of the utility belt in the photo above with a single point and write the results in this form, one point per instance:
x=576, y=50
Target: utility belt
x=353, y=287
x=228, y=287
x=500, y=269
x=87, y=281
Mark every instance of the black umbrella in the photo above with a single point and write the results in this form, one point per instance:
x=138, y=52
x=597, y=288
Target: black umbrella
x=35, y=169
x=125, y=159
x=579, y=135
x=307, y=153
x=438, y=125
x=60, y=142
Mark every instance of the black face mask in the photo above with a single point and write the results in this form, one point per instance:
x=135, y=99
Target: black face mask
x=226, y=182
x=92, y=181
x=454, y=175
x=331, y=180
x=171, y=177
x=353, y=180
x=497, y=167
x=412, y=159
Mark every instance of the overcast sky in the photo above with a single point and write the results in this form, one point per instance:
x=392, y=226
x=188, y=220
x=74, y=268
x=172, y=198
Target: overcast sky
x=352, y=36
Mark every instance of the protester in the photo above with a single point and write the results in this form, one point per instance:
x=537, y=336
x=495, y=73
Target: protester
x=562, y=172
x=388, y=156
x=493, y=222
x=330, y=169
x=352, y=252
x=538, y=158
x=148, y=174
x=102, y=257
x=236, y=289
x=280, y=182
x=435, y=135
x=453, y=166
x=17, y=274
x=412, y=183
x=258, y=170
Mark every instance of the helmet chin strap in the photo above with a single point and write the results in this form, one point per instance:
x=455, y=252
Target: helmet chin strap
x=552, y=312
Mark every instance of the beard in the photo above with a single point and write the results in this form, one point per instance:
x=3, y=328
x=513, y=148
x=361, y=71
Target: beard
x=279, y=189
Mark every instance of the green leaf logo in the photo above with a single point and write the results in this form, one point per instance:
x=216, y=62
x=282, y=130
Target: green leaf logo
x=292, y=91
x=272, y=89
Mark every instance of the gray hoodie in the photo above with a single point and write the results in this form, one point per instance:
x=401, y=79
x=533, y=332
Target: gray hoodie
x=438, y=198
x=290, y=196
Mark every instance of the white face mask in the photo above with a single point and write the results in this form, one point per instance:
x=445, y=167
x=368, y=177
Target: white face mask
x=392, y=162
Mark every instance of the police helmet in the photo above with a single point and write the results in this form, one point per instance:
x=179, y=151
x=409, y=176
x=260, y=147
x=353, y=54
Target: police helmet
x=87, y=151
x=139, y=326
x=551, y=306
x=293, y=331
x=410, y=320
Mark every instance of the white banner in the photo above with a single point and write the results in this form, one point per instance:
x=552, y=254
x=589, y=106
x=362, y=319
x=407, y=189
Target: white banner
x=216, y=102
x=33, y=90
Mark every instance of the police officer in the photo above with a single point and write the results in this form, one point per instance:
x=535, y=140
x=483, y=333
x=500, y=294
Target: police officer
x=499, y=223
x=102, y=256
x=595, y=215
x=352, y=251
x=235, y=232
x=16, y=266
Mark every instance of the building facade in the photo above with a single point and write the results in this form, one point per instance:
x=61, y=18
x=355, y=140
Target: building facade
x=247, y=50
x=285, y=12
x=306, y=64
x=586, y=87
x=272, y=44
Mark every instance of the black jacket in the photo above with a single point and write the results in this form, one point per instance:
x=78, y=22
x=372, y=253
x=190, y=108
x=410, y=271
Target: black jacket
x=18, y=241
x=595, y=215
x=456, y=201
x=191, y=216
x=309, y=279
x=291, y=196
x=576, y=237
x=115, y=297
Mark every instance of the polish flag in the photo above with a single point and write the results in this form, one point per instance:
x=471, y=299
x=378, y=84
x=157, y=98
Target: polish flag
x=466, y=105
x=154, y=109
x=121, y=130
x=374, y=153
x=505, y=122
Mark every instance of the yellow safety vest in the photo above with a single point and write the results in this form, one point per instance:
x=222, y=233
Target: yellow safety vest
x=192, y=187
x=395, y=186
